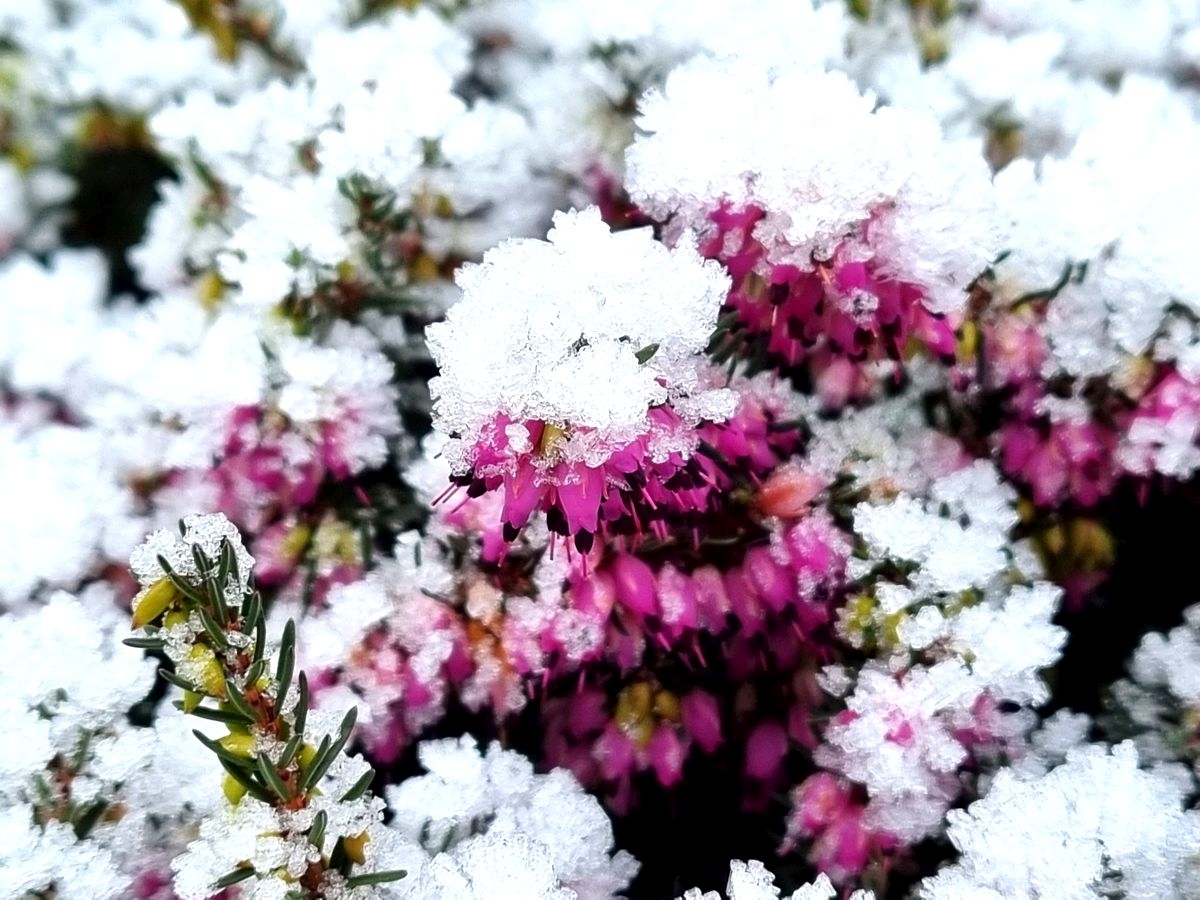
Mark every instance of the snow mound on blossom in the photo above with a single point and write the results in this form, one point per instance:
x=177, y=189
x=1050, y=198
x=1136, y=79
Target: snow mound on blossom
x=559, y=331
x=715, y=134
x=503, y=831
x=1097, y=826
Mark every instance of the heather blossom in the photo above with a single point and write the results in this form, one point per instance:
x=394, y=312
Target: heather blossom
x=827, y=250
x=617, y=395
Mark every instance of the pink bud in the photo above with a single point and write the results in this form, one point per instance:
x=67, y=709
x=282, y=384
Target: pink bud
x=711, y=598
x=702, y=719
x=580, y=498
x=677, y=597
x=635, y=585
x=666, y=753
x=800, y=727
x=744, y=600
x=586, y=713
x=614, y=752
x=774, y=584
x=788, y=492
x=844, y=848
x=839, y=382
x=595, y=593
x=765, y=750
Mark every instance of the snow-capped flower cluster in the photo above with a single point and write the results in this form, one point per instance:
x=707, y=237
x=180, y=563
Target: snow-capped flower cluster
x=939, y=600
x=860, y=230
x=560, y=410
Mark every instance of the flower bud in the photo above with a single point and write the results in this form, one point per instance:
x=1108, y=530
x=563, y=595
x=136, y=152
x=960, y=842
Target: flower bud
x=702, y=719
x=819, y=801
x=774, y=584
x=153, y=602
x=788, y=492
x=233, y=789
x=238, y=744
x=202, y=669
x=765, y=750
x=356, y=847
x=666, y=753
x=635, y=584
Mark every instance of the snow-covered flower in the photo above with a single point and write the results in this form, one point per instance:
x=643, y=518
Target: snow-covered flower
x=569, y=412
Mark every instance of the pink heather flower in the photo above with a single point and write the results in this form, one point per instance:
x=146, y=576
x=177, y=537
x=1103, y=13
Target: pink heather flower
x=844, y=848
x=772, y=581
x=744, y=602
x=839, y=381
x=635, y=585
x=260, y=473
x=859, y=238
x=827, y=813
x=480, y=518
x=789, y=491
x=666, y=753
x=1016, y=354
x=816, y=551
x=155, y=885
x=630, y=491
x=605, y=190
x=644, y=732
x=846, y=305
x=1062, y=462
x=678, y=601
x=712, y=600
x=277, y=551
x=757, y=437
x=818, y=802
x=787, y=581
x=403, y=670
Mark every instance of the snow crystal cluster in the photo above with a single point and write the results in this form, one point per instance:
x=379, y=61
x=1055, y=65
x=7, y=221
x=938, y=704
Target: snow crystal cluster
x=629, y=320
x=493, y=828
x=751, y=881
x=1058, y=836
x=90, y=804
